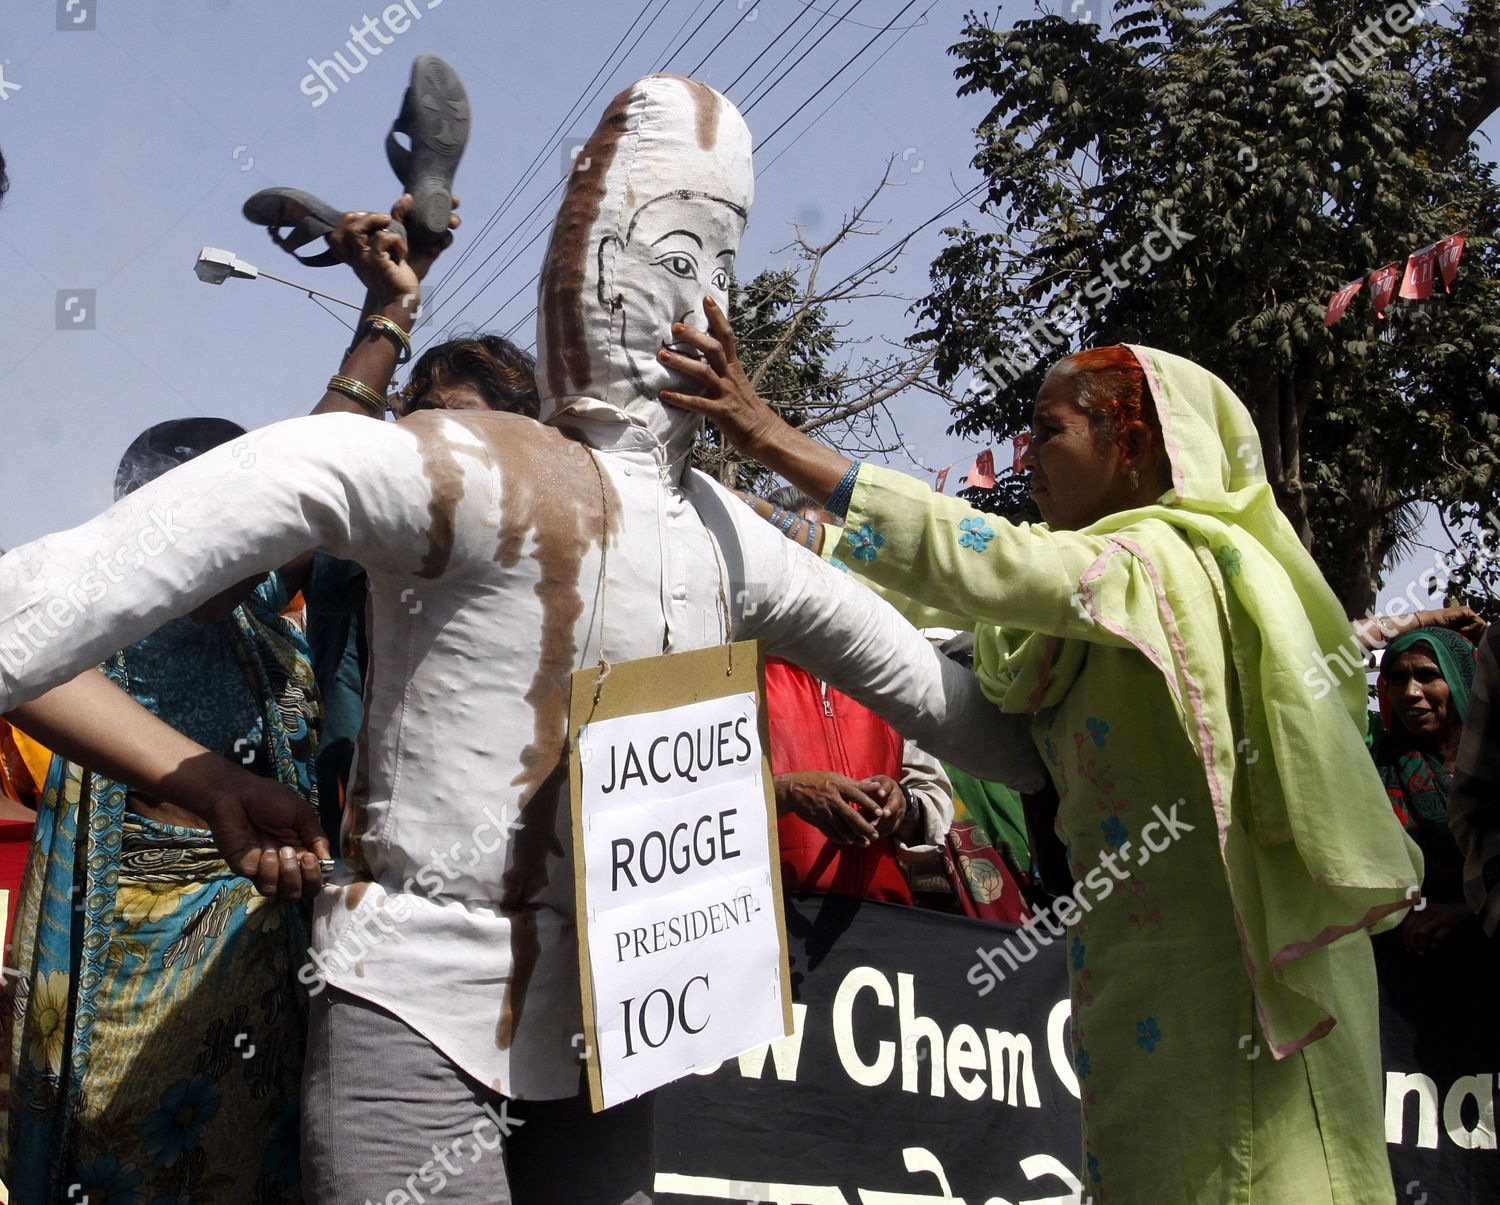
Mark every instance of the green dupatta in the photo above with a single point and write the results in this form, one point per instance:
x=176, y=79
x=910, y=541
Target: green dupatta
x=1310, y=849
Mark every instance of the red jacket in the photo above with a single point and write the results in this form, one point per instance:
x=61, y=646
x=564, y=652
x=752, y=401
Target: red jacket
x=814, y=727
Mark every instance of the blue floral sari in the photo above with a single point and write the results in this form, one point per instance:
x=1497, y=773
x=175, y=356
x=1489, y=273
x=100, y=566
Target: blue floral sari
x=158, y=1027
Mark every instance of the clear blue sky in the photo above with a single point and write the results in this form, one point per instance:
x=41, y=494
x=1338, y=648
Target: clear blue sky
x=136, y=132
x=134, y=143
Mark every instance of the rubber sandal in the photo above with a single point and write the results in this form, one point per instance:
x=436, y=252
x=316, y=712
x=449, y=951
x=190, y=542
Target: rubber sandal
x=435, y=118
x=304, y=217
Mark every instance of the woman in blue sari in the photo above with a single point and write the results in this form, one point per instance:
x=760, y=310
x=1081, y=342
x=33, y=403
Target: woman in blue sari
x=158, y=1027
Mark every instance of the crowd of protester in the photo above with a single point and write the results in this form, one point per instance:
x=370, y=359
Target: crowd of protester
x=1150, y=630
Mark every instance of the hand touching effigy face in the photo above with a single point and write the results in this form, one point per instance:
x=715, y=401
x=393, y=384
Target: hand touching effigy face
x=649, y=227
x=661, y=273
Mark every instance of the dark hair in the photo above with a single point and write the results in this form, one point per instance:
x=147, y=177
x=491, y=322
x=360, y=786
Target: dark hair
x=165, y=446
x=504, y=375
x=4, y=179
x=789, y=497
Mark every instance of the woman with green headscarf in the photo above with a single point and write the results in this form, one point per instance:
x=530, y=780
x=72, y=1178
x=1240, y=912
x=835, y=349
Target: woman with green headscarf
x=1423, y=688
x=1165, y=629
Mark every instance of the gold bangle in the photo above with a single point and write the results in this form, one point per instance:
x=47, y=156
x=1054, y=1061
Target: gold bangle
x=360, y=392
x=381, y=323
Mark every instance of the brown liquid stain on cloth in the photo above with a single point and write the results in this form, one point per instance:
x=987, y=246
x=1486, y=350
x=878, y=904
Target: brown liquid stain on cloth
x=564, y=270
x=535, y=841
x=706, y=102
x=549, y=497
x=446, y=476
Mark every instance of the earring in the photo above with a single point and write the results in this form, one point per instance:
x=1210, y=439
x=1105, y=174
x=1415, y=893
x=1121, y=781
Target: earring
x=1135, y=478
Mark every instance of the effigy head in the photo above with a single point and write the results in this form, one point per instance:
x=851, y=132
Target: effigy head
x=649, y=225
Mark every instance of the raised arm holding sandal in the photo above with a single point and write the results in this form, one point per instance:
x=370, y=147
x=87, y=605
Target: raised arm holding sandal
x=392, y=273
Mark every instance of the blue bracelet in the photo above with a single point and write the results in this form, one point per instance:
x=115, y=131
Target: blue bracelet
x=843, y=493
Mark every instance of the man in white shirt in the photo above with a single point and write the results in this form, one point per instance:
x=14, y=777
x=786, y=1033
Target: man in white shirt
x=502, y=555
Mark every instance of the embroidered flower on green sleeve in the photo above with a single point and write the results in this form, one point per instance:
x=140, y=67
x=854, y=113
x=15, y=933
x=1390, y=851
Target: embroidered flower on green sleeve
x=1229, y=560
x=865, y=542
x=977, y=534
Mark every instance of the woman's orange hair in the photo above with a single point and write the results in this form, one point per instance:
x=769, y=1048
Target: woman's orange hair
x=1110, y=382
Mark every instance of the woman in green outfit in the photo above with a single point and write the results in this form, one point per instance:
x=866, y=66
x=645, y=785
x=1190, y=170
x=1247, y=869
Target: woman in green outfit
x=1166, y=629
x=1424, y=684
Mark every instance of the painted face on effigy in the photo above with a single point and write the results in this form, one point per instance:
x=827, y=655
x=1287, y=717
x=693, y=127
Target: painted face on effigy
x=648, y=227
x=661, y=273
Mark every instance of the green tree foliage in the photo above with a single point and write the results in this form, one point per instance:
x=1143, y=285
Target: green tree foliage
x=1284, y=181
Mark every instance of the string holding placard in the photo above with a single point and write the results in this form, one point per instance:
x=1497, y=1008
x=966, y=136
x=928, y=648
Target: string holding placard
x=727, y=616
x=603, y=665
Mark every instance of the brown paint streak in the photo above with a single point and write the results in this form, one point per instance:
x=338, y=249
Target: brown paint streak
x=550, y=494
x=566, y=266
x=447, y=480
x=354, y=893
x=706, y=102
x=535, y=842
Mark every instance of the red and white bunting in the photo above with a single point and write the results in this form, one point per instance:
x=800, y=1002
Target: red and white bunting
x=1416, y=285
x=982, y=473
x=1019, y=446
x=942, y=478
x=1339, y=302
x=1449, y=251
x=1383, y=286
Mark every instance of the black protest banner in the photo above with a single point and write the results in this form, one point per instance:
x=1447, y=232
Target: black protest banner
x=1440, y=1049
x=899, y=1079
x=902, y=1084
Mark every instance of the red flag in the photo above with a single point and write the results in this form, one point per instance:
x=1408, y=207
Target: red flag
x=1382, y=285
x=1449, y=251
x=1417, y=283
x=1339, y=302
x=1019, y=445
x=983, y=472
x=942, y=478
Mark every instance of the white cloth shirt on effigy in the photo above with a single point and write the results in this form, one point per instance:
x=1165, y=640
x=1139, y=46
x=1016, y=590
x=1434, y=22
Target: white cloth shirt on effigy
x=502, y=555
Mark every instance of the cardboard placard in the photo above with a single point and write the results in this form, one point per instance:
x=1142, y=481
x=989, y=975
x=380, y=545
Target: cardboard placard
x=682, y=947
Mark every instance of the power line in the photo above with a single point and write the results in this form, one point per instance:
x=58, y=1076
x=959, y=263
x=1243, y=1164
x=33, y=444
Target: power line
x=531, y=170
x=749, y=15
x=849, y=63
x=750, y=92
x=505, y=201
x=511, y=260
x=905, y=29
x=917, y=24
x=756, y=100
x=681, y=46
x=790, y=25
x=765, y=90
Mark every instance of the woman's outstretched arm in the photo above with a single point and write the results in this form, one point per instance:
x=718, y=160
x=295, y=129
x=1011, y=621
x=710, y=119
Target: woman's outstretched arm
x=266, y=832
x=938, y=551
